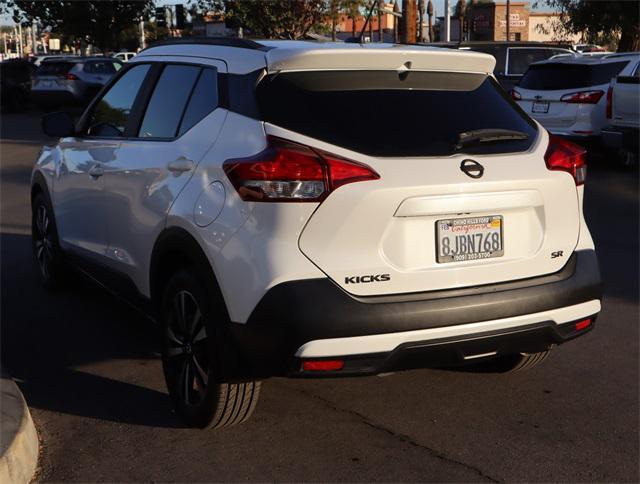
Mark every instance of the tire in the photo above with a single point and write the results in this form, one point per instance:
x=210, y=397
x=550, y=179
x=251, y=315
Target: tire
x=195, y=358
x=45, y=245
x=525, y=361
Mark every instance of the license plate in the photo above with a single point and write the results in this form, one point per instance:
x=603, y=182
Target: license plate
x=540, y=107
x=473, y=238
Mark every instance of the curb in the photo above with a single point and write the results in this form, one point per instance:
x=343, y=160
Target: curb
x=18, y=437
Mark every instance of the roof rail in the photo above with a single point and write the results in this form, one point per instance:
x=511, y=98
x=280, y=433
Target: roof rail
x=220, y=41
x=619, y=54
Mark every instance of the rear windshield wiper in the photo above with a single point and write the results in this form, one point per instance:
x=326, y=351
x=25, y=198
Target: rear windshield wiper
x=486, y=136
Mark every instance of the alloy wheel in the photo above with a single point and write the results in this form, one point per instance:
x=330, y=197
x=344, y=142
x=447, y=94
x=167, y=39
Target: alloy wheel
x=187, y=352
x=43, y=241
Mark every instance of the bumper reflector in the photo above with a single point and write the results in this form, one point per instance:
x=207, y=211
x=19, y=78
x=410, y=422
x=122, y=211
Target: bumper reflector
x=585, y=323
x=323, y=365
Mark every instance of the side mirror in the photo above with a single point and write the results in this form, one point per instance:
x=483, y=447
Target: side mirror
x=58, y=125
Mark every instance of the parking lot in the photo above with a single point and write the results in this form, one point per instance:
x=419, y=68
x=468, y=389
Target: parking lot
x=88, y=366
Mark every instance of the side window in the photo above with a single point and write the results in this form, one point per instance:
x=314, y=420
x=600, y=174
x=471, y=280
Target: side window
x=204, y=99
x=636, y=71
x=168, y=101
x=110, y=115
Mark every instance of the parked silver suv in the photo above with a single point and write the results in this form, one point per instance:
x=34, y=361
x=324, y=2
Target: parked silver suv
x=72, y=80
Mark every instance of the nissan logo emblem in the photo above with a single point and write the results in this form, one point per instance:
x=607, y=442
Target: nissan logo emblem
x=472, y=168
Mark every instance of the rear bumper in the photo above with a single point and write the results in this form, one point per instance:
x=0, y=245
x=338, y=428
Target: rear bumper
x=315, y=318
x=620, y=138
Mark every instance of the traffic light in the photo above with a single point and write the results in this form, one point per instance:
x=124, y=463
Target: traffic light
x=161, y=17
x=180, y=17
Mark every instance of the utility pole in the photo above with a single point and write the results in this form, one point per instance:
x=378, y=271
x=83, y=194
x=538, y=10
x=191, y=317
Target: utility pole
x=430, y=15
x=447, y=21
x=420, y=20
x=20, y=48
x=380, y=33
x=396, y=22
x=34, y=39
x=143, y=40
x=409, y=21
x=508, y=19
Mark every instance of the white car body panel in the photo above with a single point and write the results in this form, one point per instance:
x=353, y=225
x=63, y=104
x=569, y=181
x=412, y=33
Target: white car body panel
x=569, y=119
x=430, y=189
x=382, y=343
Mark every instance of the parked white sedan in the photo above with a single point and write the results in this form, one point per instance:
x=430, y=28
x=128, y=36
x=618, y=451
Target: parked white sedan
x=567, y=95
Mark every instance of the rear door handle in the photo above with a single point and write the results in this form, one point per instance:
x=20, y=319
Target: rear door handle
x=180, y=165
x=96, y=171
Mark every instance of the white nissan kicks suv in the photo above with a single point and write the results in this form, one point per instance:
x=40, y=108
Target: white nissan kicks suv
x=311, y=210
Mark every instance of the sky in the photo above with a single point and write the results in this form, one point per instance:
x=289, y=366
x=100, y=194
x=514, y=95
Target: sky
x=438, y=6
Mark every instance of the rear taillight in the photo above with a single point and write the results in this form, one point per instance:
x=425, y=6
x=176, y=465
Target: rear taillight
x=610, y=102
x=290, y=172
x=583, y=97
x=515, y=95
x=71, y=77
x=566, y=156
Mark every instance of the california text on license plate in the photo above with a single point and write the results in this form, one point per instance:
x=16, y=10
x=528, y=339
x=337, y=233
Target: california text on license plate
x=473, y=238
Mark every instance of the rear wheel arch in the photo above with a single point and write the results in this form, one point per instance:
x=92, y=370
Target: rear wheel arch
x=39, y=185
x=176, y=249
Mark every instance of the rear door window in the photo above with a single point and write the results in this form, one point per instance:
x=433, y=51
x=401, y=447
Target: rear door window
x=204, y=99
x=558, y=76
x=168, y=101
x=519, y=59
x=381, y=113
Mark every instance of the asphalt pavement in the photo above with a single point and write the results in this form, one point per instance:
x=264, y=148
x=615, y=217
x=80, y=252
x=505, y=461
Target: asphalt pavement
x=89, y=369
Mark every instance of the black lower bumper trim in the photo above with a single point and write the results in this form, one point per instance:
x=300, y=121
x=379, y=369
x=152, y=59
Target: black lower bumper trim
x=293, y=313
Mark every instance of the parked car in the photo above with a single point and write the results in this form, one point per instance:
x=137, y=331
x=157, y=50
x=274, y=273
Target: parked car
x=269, y=236
x=38, y=59
x=124, y=56
x=72, y=80
x=15, y=82
x=588, y=48
x=567, y=95
x=512, y=58
x=622, y=112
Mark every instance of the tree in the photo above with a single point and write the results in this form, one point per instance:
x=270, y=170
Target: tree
x=592, y=18
x=279, y=19
x=353, y=11
x=97, y=22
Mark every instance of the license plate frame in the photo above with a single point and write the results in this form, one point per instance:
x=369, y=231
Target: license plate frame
x=455, y=255
x=540, y=107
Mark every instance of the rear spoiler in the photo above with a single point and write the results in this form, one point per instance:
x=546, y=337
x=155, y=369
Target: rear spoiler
x=392, y=57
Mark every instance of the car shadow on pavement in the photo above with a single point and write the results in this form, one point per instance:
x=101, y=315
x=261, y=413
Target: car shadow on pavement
x=71, y=350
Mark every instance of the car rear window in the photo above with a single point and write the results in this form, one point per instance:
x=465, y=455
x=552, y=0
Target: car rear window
x=386, y=113
x=54, y=68
x=521, y=58
x=101, y=67
x=557, y=76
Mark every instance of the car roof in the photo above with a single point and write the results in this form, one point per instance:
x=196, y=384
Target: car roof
x=242, y=55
